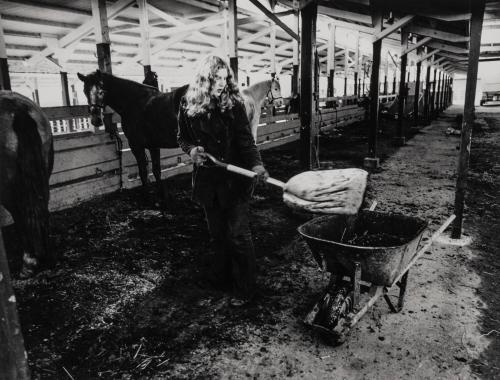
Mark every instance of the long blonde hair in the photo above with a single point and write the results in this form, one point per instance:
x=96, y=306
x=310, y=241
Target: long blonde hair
x=198, y=97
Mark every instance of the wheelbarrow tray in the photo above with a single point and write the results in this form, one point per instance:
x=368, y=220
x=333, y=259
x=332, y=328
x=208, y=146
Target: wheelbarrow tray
x=328, y=237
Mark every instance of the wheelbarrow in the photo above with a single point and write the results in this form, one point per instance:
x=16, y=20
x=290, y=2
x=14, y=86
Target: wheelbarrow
x=371, y=250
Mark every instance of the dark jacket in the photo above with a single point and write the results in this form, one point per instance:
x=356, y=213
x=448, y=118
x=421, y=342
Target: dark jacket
x=227, y=136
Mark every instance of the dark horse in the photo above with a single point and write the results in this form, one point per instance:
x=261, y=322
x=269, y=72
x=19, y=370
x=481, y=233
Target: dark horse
x=26, y=160
x=148, y=116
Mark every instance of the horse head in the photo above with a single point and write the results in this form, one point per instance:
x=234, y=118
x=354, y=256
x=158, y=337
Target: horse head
x=93, y=87
x=274, y=94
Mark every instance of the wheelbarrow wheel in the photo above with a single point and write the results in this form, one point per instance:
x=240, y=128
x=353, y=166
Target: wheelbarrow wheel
x=332, y=317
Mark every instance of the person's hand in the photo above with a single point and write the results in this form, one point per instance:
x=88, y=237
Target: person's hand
x=262, y=174
x=198, y=155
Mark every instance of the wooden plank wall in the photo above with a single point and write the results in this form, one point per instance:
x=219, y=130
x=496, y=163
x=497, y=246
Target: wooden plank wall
x=87, y=163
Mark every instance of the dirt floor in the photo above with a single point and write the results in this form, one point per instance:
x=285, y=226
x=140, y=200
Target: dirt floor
x=123, y=301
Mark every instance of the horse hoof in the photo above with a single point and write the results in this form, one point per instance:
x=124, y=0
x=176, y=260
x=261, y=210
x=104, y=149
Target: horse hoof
x=30, y=265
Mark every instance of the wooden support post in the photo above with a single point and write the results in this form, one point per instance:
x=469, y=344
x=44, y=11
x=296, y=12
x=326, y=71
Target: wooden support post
x=400, y=138
x=295, y=68
x=386, y=73
x=417, y=95
x=444, y=91
x=101, y=31
x=427, y=95
x=438, y=94
x=364, y=81
x=476, y=25
x=233, y=37
x=372, y=161
x=272, y=39
x=356, y=70
x=145, y=40
x=394, y=84
x=13, y=356
x=346, y=65
x=4, y=67
x=330, y=63
x=65, y=88
x=447, y=96
x=450, y=101
x=433, y=96
x=308, y=47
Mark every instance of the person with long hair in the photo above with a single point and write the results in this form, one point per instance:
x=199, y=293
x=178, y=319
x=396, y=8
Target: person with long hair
x=212, y=119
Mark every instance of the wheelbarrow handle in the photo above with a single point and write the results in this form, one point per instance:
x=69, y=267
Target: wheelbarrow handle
x=243, y=172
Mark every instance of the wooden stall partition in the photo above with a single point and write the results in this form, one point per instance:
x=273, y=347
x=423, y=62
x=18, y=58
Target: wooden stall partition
x=278, y=130
x=86, y=163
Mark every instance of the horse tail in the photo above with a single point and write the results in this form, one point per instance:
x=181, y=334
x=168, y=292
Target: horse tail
x=32, y=193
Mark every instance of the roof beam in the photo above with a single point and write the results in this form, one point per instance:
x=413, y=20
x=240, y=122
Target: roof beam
x=192, y=27
x=428, y=55
x=394, y=27
x=448, y=48
x=451, y=55
x=165, y=16
x=429, y=32
x=251, y=20
x=351, y=16
x=202, y=5
x=363, y=29
x=256, y=58
x=36, y=21
x=82, y=31
x=436, y=61
x=271, y=15
x=423, y=41
x=245, y=41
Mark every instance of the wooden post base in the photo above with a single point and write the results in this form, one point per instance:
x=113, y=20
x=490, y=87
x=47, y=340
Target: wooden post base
x=371, y=163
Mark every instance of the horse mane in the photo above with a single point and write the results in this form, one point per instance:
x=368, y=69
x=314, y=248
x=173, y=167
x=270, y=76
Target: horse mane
x=123, y=95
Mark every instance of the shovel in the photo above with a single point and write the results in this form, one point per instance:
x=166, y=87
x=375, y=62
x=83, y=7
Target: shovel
x=337, y=191
x=244, y=172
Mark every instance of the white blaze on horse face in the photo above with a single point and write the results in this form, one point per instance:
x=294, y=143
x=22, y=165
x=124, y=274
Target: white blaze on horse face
x=219, y=82
x=96, y=105
x=96, y=95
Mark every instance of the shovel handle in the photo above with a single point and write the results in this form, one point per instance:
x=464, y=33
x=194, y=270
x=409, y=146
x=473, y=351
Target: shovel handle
x=243, y=172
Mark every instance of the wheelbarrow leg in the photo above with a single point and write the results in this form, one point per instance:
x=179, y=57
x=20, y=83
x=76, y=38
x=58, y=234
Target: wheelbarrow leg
x=357, y=285
x=402, y=290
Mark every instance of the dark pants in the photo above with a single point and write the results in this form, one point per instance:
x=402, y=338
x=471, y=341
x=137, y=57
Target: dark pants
x=231, y=240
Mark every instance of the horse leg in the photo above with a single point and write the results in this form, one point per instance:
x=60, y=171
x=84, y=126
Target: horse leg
x=155, y=161
x=142, y=164
x=31, y=214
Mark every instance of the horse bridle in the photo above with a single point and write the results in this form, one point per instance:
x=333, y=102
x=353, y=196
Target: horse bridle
x=270, y=92
x=97, y=105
